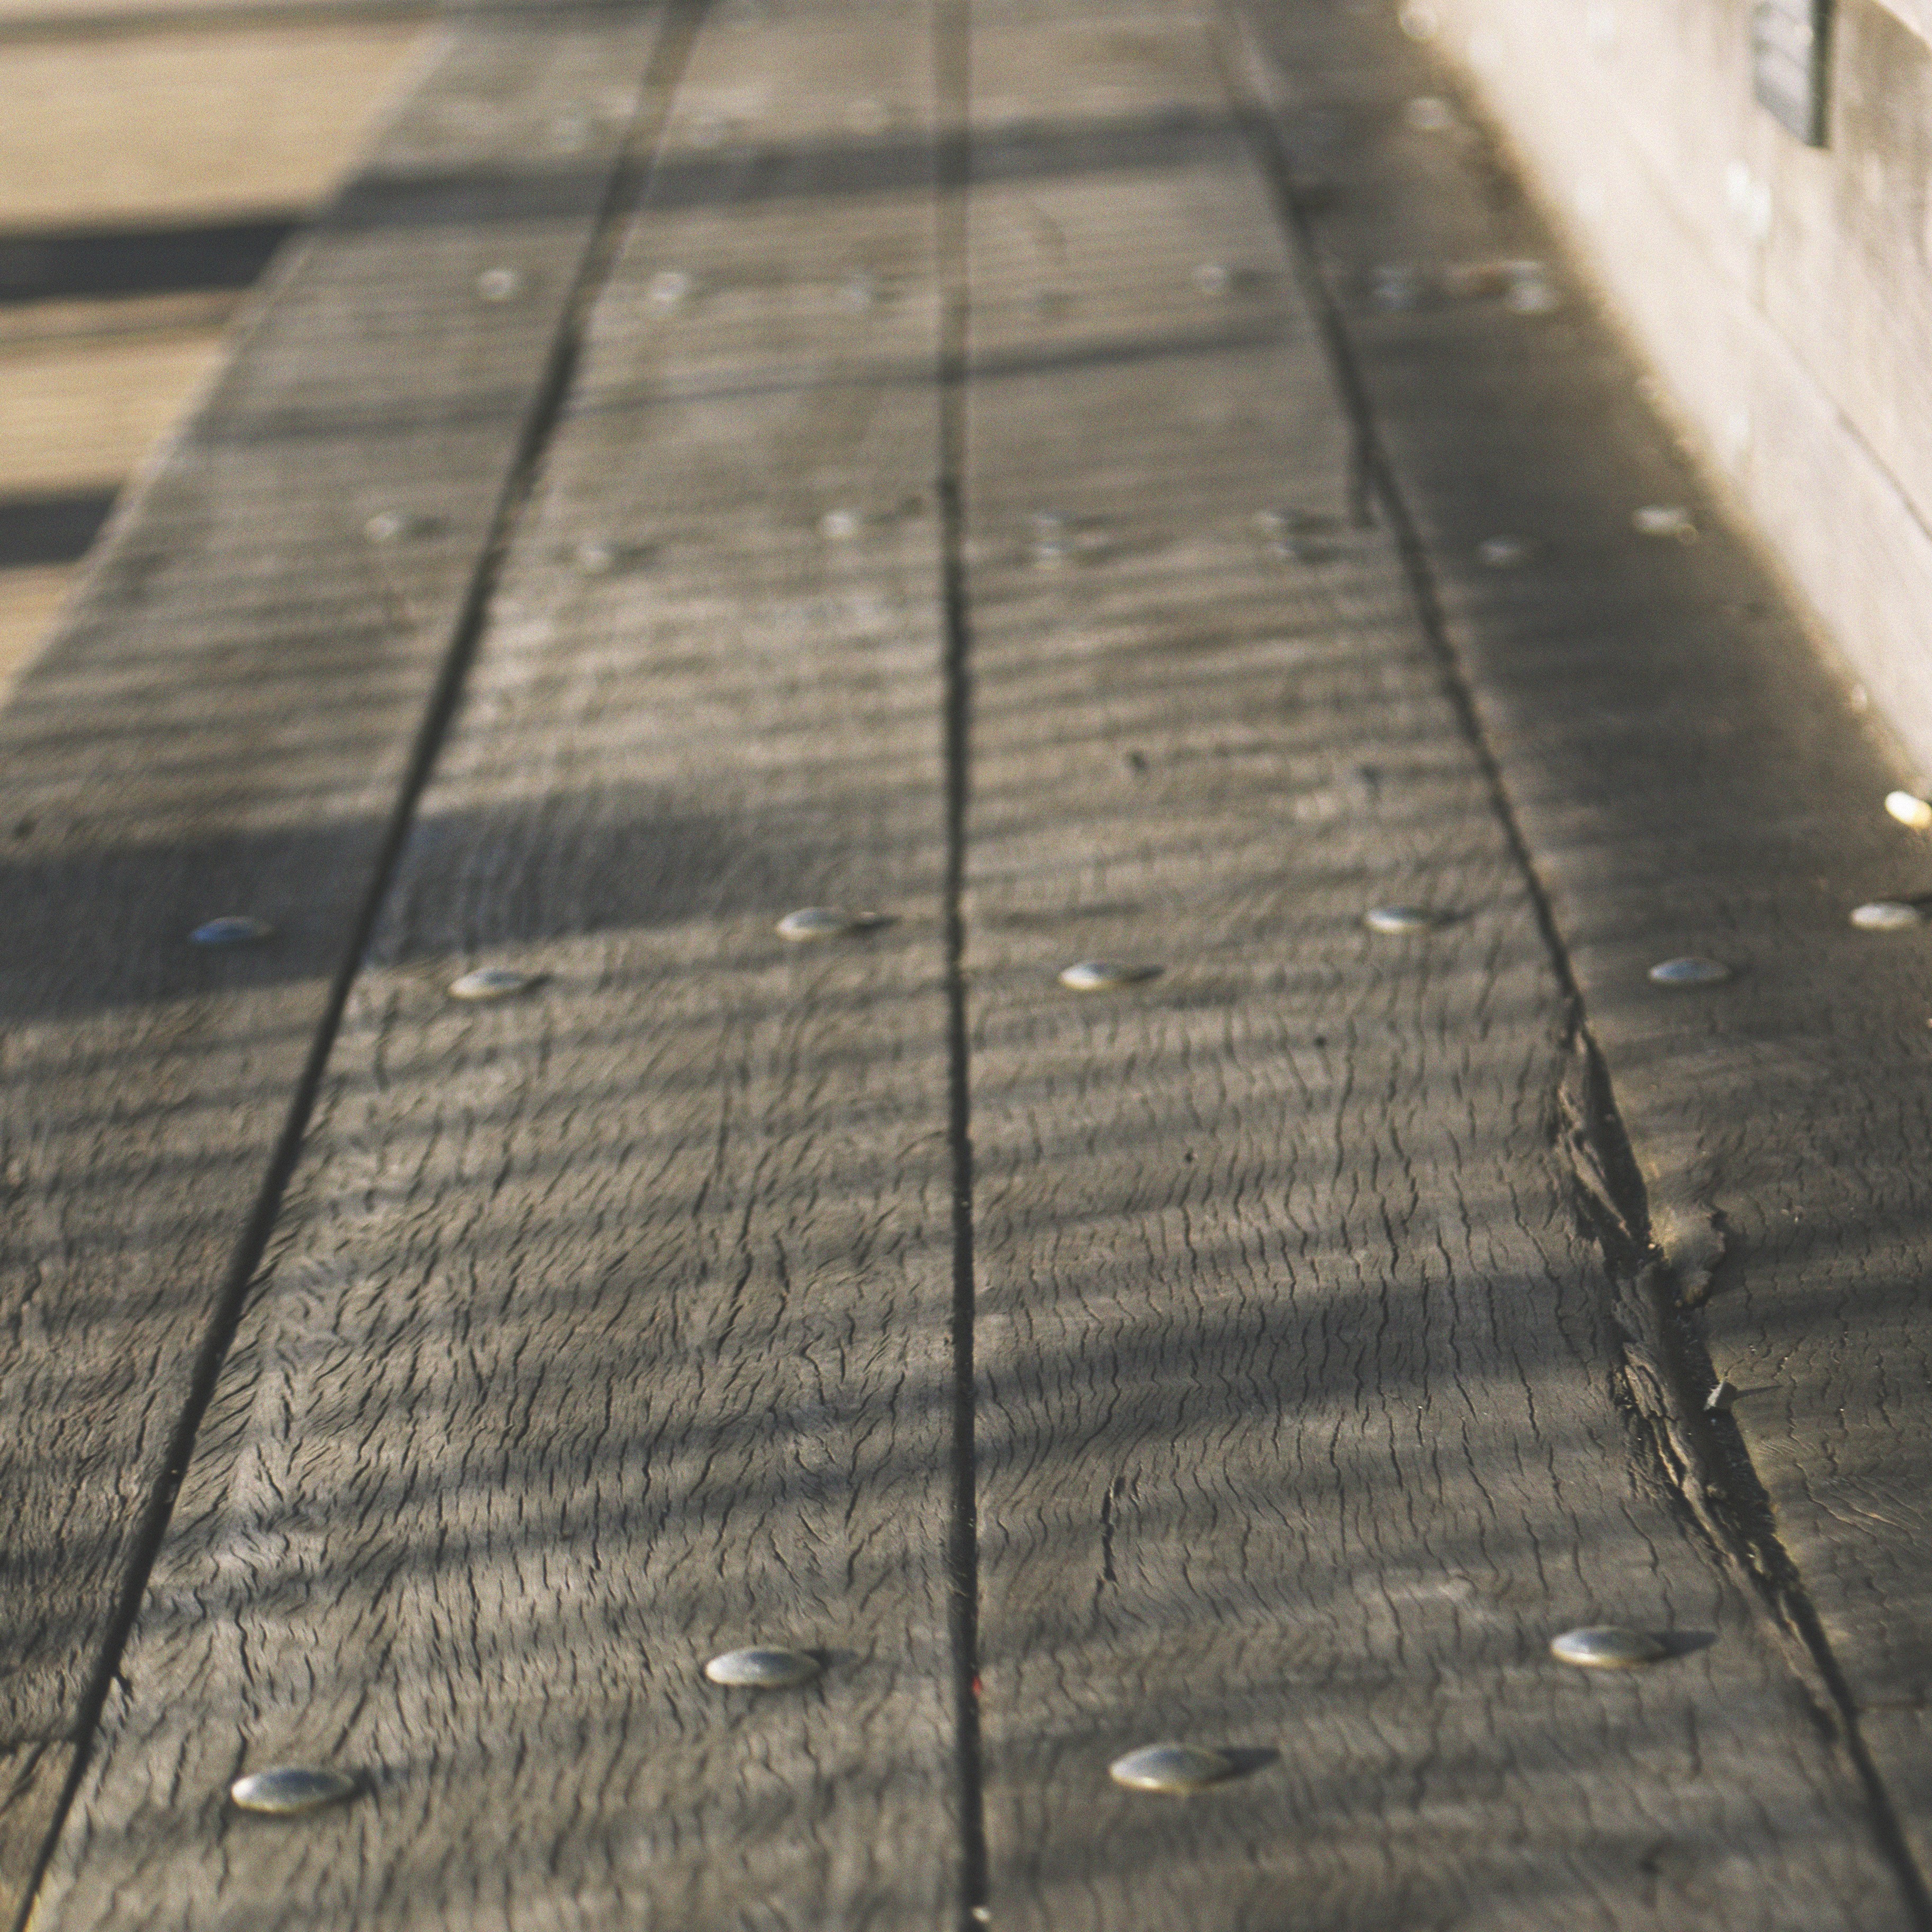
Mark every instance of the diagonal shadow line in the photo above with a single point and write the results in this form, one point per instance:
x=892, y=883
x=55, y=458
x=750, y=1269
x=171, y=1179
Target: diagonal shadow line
x=677, y=29
x=95, y=264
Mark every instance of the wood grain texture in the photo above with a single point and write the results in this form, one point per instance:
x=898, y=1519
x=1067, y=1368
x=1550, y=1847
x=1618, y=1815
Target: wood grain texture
x=1692, y=777
x=222, y=725
x=607, y=1329
x=1296, y=1424
x=1781, y=293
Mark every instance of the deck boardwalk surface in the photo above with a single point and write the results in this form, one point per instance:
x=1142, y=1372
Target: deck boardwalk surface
x=1693, y=776
x=909, y=469
x=1295, y=1432
x=225, y=726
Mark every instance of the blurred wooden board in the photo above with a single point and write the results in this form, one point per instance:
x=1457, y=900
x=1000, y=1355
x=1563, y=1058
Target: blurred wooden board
x=224, y=724
x=246, y=119
x=605, y=1329
x=1296, y=1424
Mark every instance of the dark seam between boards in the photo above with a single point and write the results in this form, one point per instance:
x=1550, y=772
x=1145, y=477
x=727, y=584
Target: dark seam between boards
x=669, y=50
x=953, y=173
x=1764, y=1557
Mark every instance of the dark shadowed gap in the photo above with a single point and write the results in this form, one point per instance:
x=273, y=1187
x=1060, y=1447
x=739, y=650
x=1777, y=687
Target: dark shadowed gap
x=1746, y=1527
x=99, y=264
x=117, y=23
x=953, y=23
x=53, y=529
x=669, y=54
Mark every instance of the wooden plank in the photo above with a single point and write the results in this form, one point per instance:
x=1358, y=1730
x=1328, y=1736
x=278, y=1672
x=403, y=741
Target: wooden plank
x=608, y=1329
x=223, y=726
x=1296, y=1420
x=73, y=415
x=1694, y=777
x=251, y=117
x=1712, y=232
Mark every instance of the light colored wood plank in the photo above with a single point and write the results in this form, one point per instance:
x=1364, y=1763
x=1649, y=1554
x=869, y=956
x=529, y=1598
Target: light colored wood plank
x=75, y=415
x=259, y=118
x=1712, y=234
x=608, y=1329
x=29, y=601
x=1296, y=1424
x=223, y=724
x=1694, y=778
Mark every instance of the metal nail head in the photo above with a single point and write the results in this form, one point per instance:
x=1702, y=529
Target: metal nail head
x=669, y=286
x=1178, y=1769
x=1394, y=286
x=388, y=526
x=493, y=982
x=763, y=1668
x=1213, y=278
x=1690, y=971
x=1401, y=919
x=811, y=922
x=841, y=526
x=237, y=929
x=1605, y=1647
x=288, y=1790
x=1427, y=115
x=1532, y=292
x=1886, y=916
x=1909, y=809
x=596, y=557
x=499, y=285
x=1104, y=976
x=1664, y=519
x=1502, y=553
x=1719, y=1401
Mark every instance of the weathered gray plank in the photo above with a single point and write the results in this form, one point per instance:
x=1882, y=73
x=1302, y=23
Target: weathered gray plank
x=1782, y=293
x=607, y=1329
x=1296, y=1422
x=1694, y=777
x=224, y=726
